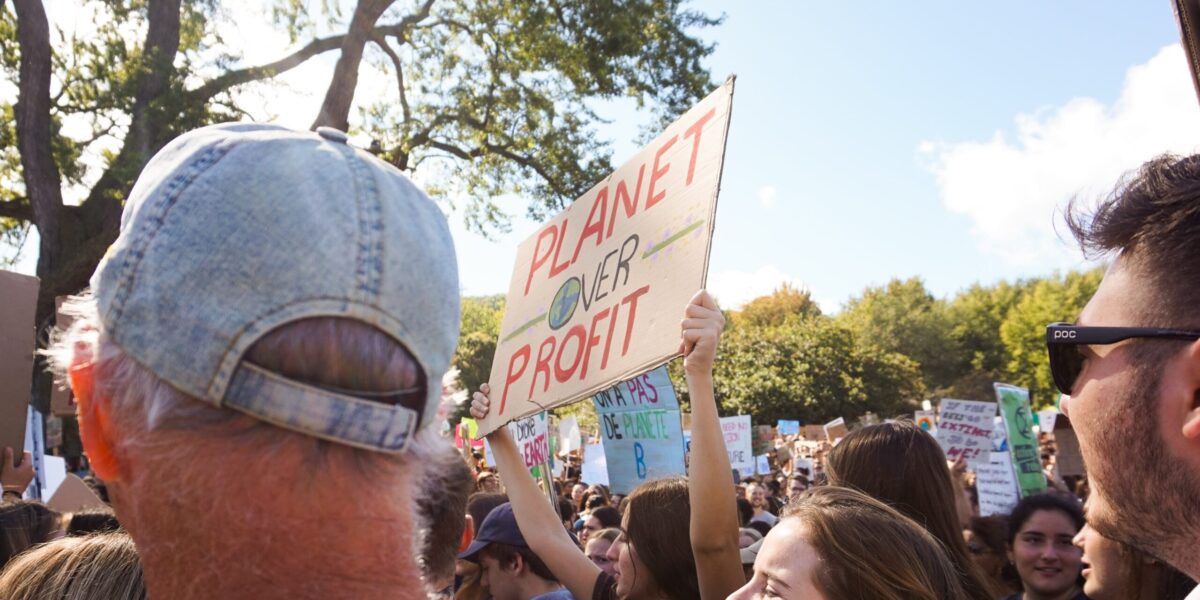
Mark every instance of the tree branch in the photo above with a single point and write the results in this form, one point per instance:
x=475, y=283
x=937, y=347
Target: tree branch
x=335, y=109
x=230, y=79
x=238, y=77
x=147, y=121
x=16, y=208
x=383, y=45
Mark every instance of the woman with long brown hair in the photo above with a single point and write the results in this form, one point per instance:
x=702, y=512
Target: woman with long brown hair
x=838, y=543
x=902, y=466
x=680, y=537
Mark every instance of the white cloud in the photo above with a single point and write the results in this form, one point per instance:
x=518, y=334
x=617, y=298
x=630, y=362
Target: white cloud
x=733, y=289
x=1012, y=189
x=766, y=195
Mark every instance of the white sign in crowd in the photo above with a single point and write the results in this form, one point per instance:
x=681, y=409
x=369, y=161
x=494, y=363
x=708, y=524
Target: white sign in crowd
x=964, y=430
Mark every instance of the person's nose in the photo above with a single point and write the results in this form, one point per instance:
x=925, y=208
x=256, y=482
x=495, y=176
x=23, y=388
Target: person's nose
x=1080, y=538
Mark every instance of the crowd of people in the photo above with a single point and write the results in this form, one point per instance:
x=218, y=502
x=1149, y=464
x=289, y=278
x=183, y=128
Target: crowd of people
x=256, y=387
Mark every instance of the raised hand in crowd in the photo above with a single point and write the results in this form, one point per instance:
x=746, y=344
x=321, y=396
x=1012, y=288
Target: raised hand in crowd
x=13, y=477
x=663, y=517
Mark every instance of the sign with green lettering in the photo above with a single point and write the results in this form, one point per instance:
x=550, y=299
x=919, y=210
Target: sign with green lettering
x=643, y=438
x=1022, y=442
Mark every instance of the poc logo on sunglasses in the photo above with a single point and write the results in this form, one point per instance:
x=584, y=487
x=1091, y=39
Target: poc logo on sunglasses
x=1064, y=335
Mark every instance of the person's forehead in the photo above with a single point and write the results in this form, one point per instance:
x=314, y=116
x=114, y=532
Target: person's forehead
x=1115, y=300
x=1049, y=522
x=785, y=555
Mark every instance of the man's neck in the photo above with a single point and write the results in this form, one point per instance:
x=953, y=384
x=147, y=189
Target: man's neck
x=364, y=562
x=247, y=550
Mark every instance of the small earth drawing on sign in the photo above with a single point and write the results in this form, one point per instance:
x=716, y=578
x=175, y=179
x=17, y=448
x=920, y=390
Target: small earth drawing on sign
x=565, y=301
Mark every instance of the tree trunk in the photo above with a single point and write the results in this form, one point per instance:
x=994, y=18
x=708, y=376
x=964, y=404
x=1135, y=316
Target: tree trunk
x=43, y=184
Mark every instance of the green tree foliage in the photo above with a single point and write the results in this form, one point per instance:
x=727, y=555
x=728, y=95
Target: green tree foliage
x=904, y=317
x=481, y=316
x=493, y=98
x=783, y=304
x=976, y=314
x=892, y=347
x=1058, y=298
x=812, y=370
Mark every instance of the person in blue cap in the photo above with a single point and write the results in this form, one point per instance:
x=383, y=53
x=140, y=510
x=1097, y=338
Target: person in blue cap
x=509, y=569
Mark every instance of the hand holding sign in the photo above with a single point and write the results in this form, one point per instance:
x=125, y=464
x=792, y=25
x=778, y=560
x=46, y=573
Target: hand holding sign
x=701, y=327
x=16, y=478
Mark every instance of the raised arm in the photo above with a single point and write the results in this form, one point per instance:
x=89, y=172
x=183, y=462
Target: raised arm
x=540, y=522
x=714, y=522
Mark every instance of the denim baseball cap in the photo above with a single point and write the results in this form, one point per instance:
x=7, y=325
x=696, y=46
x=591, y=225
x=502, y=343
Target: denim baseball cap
x=499, y=526
x=236, y=229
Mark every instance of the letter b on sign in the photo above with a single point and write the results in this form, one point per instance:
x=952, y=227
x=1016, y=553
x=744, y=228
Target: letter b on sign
x=639, y=458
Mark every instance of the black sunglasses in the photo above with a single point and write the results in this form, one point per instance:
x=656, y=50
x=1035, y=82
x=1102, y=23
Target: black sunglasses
x=1063, y=341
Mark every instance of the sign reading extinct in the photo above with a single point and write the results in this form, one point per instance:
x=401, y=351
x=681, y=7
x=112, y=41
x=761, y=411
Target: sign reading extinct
x=597, y=293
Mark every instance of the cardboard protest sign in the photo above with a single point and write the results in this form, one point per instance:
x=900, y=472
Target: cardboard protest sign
x=642, y=435
x=764, y=439
x=533, y=441
x=54, y=473
x=595, y=465
x=1022, y=443
x=17, y=345
x=597, y=293
x=999, y=436
x=568, y=432
x=802, y=466
x=868, y=419
x=925, y=420
x=73, y=496
x=738, y=444
x=788, y=427
x=1046, y=419
x=965, y=429
x=815, y=433
x=762, y=464
x=998, y=492
x=836, y=429
x=1068, y=458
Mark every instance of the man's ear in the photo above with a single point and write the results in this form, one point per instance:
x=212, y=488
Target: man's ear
x=519, y=566
x=1190, y=370
x=94, y=429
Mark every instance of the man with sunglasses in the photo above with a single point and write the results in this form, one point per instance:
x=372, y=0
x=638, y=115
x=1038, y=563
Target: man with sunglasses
x=1131, y=363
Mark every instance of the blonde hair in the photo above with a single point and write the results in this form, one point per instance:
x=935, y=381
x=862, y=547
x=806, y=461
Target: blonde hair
x=869, y=550
x=102, y=566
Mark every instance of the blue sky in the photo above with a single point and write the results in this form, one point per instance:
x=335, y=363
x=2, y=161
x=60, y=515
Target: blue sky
x=846, y=113
x=873, y=140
